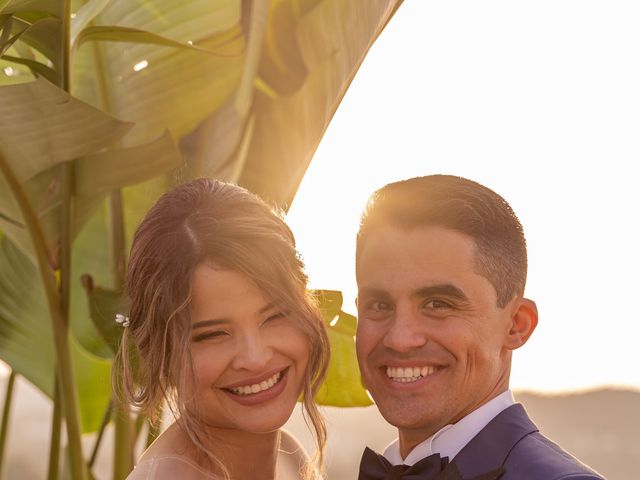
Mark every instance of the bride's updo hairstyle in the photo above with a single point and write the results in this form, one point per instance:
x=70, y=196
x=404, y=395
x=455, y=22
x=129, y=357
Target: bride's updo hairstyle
x=206, y=221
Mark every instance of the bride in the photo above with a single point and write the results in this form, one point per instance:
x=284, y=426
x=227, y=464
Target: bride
x=222, y=329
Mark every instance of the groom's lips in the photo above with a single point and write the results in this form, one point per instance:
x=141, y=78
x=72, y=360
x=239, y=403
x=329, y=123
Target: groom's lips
x=409, y=376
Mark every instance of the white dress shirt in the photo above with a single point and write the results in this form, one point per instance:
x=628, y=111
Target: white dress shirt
x=450, y=439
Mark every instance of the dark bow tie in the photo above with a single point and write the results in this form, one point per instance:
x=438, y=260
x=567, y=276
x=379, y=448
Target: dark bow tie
x=375, y=467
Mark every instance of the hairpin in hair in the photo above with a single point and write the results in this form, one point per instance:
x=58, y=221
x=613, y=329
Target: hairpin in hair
x=122, y=320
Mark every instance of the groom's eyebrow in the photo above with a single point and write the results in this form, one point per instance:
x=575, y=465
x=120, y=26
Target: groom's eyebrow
x=444, y=289
x=368, y=292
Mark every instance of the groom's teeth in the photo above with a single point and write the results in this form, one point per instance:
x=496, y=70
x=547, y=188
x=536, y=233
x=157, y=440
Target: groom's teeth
x=409, y=374
x=256, y=387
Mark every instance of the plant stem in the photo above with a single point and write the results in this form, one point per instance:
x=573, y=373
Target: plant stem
x=123, y=447
x=123, y=452
x=56, y=428
x=6, y=410
x=117, y=241
x=105, y=421
x=58, y=319
x=66, y=47
x=123, y=442
x=61, y=326
x=67, y=179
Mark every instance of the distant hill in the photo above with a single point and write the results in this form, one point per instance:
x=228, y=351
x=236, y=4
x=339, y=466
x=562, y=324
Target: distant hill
x=602, y=427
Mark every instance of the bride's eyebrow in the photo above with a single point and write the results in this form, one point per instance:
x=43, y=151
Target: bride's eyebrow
x=221, y=321
x=209, y=323
x=270, y=306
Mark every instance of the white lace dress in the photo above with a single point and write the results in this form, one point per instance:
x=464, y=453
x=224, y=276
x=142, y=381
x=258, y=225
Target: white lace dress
x=168, y=466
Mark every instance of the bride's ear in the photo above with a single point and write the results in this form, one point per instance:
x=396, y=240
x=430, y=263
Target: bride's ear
x=524, y=319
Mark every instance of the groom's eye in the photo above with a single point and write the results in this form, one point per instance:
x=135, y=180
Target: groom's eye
x=436, y=304
x=377, y=307
x=381, y=306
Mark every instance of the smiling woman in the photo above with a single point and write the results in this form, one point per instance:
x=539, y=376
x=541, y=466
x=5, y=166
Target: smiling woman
x=224, y=331
x=247, y=348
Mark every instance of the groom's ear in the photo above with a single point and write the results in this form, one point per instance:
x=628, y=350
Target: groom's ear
x=524, y=319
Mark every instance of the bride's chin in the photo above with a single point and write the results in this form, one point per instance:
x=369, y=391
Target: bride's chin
x=259, y=421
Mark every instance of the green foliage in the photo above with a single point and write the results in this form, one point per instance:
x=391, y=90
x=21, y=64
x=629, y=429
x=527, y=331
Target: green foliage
x=25, y=329
x=104, y=109
x=343, y=387
x=41, y=127
x=104, y=305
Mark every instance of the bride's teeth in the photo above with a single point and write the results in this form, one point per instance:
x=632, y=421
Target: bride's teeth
x=256, y=387
x=409, y=374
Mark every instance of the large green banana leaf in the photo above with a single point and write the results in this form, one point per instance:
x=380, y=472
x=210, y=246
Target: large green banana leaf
x=26, y=337
x=23, y=312
x=256, y=107
x=41, y=126
x=246, y=87
x=343, y=386
x=314, y=49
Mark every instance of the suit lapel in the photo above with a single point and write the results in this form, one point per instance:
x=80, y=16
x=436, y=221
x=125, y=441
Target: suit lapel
x=489, y=449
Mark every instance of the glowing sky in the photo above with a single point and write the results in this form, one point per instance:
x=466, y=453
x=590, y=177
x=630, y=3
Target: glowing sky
x=539, y=101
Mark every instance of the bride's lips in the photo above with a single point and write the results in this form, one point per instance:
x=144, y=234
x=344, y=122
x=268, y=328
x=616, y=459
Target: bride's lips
x=249, y=399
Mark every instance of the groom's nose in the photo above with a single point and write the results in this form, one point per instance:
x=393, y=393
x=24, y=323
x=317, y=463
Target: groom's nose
x=406, y=330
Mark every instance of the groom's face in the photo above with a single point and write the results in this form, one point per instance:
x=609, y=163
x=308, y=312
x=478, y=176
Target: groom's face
x=431, y=339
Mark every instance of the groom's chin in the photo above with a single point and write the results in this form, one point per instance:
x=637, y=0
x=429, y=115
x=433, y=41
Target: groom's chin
x=409, y=408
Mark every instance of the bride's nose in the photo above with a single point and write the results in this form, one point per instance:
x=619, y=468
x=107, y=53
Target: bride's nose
x=254, y=352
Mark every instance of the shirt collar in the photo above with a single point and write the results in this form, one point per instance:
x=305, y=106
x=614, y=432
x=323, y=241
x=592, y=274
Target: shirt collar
x=452, y=438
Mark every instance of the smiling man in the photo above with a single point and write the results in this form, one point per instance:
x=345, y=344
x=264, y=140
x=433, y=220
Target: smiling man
x=441, y=266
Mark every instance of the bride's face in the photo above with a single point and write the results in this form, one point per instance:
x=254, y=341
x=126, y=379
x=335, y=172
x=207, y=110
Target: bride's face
x=249, y=356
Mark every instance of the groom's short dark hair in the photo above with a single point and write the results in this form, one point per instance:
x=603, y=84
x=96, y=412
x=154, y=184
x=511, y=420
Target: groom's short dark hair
x=461, y=205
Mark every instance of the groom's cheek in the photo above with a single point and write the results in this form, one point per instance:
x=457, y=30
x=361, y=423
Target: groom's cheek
x=365, y=343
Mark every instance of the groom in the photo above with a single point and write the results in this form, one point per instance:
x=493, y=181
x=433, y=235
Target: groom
x=441, y=265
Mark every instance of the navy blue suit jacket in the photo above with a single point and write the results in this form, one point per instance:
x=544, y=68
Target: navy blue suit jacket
x=512, y=440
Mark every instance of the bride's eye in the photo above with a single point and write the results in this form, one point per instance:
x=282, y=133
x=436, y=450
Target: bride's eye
x=276, y=316
x=209, y=335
